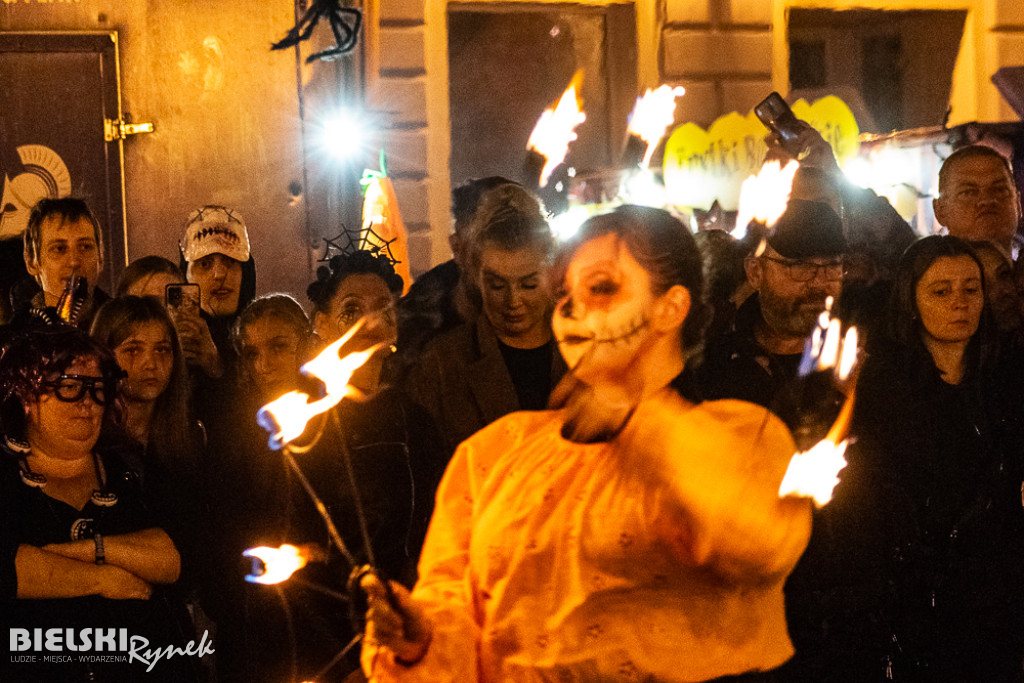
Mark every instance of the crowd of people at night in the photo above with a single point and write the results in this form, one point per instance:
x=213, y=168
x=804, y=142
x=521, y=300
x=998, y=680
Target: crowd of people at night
x=561, y=464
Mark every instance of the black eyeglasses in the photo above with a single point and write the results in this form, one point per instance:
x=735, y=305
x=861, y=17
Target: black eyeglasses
x=72, y=388
x=805, y=271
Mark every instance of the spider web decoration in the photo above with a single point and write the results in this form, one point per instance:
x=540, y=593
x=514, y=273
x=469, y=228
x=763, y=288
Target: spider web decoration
x=345, y=24
x=350, y=241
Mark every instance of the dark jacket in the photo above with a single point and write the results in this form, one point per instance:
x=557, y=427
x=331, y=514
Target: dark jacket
x=427, y=310
x=463, y=381
x=915, y=566
x=736, y=366
x=265, y=631
x=29, y=517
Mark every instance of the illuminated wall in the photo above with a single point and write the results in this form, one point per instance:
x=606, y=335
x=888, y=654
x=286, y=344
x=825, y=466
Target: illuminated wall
x=225, y=106
x=225, y=112
x=407, y=76
x=728, y=53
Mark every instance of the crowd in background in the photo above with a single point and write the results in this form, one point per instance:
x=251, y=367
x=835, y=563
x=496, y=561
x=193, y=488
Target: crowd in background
x=130, y=420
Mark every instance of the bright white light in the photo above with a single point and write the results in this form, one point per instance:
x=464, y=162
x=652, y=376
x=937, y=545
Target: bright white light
x=859, y=171
x=343, y=134
x=567, y=224
x=278, y=563
x=641, y=187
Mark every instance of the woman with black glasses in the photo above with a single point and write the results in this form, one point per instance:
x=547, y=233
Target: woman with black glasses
x=79, y=551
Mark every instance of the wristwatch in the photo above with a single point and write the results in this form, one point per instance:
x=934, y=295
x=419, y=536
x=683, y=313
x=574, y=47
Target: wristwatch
x=101, y=557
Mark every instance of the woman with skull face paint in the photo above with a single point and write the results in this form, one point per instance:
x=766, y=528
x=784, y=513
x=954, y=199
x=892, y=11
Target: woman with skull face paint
x=629, y=535
x=80, y=546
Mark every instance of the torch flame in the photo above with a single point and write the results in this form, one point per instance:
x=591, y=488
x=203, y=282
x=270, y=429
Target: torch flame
x=652, y=115
x=278, y=563
x=828, y=349
x=286, y=417
x=848, y=357
x=763, y=197
x=814, y=473
x=556, y=128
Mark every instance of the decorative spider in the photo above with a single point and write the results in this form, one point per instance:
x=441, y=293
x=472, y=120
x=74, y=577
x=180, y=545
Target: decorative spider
x=346, y=34
x=351, y=241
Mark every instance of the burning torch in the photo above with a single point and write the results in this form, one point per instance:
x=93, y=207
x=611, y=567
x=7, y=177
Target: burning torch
x=555, y=130
x=828, y=363
x=651, y=117
x=825, y=377
x=286, y=418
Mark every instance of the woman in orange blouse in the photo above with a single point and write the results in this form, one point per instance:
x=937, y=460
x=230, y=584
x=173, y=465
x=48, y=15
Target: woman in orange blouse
x=630, y=535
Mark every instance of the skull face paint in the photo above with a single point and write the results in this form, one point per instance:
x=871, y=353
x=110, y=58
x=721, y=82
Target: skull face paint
x=605, y=307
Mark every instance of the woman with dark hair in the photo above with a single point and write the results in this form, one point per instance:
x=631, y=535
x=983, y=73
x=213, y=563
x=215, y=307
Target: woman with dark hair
x=158, y=416
x=294, y=632
x=272, y=337
x=504, y=360
x=148, y=276
x=393, y=443
x=80, y=547
x=632, y=535
x=156, y=391
x=917, y=558
x=360, y=285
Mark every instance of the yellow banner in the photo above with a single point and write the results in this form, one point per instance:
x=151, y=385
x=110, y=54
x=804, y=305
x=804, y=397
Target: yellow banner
x=704, y=165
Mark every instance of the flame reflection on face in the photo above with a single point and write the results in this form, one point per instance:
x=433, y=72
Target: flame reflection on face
x=605, y=307
x=950, y=298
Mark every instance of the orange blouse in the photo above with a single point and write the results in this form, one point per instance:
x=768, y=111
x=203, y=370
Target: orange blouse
x=658, y=556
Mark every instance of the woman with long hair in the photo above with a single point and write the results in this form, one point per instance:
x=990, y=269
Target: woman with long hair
x=156, y=395
x=273, y=338
x=506, y=358
x=630, y=535
x=917, y=558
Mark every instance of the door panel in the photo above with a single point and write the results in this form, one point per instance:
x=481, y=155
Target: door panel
x=57, y=90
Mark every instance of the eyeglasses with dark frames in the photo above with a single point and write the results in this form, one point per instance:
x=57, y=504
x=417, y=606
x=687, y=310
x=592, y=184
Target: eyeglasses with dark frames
x=805, y=271
x=72, y=389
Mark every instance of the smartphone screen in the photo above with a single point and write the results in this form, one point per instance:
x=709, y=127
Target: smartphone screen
x=776, y=115
x=182, y=300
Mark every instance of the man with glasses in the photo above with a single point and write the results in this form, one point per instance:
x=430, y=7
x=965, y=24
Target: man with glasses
x=793, y=273
x=978, y=199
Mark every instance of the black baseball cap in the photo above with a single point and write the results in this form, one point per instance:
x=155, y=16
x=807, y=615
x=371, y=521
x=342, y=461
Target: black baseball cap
x=807, y=229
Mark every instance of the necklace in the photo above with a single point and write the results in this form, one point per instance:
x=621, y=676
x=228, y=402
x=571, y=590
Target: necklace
x=100, y=496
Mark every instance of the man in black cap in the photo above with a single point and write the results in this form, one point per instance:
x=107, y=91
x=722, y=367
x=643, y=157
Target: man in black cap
x=797, y=268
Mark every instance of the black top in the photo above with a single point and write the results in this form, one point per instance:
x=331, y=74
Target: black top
x=30, y=517
x=915, y=564
x=736, y=366
x=427, y=311
x=530, y=370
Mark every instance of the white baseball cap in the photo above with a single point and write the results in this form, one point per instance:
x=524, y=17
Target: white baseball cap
x=214, y=229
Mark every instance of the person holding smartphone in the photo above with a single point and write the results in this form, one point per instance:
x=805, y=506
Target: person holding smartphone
x=876, y=234
x=216, y=257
